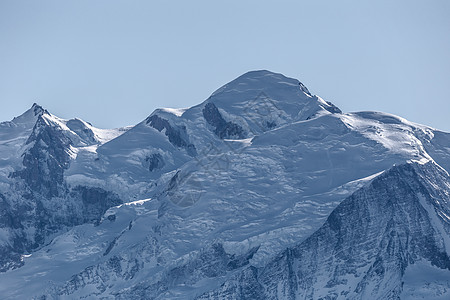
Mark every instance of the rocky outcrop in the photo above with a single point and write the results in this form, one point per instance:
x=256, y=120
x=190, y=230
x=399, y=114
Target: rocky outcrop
x=155, y=162
x=177, y=135
x=41, y=204
x=46, y=159
x=95, y=202
x=10, y=254
x=222, y=128
x=210, y=263
x=333, y=108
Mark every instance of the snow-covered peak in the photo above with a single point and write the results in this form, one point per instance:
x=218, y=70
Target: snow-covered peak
x=261, y=80
x=255, y=169
x=15, y=133
x=28, y=118
x=81, y=133
x=256, y=102
x=37, y=109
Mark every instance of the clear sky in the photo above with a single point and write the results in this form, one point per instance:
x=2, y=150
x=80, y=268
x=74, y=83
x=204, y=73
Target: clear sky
x=113, y=62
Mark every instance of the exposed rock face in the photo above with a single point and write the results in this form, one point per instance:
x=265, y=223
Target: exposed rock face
x=333, y=108
x=32, y=221
x=40, y=204
x=155, y=162
x=10, y=255
x=95, y=202
x=222, y=128
x=304, y=88
x=177, y=136
x=210, y=263
x=365, y=246
x=46, y=159
x=7, y=218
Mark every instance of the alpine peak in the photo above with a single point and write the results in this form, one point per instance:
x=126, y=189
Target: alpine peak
x=262, y=80
x=262, y=191
x=38, y=110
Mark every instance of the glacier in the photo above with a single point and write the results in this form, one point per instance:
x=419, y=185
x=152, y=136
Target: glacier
x=262, y=191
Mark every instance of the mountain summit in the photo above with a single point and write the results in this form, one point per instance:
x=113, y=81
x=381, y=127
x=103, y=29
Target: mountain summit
x=265, y=100
x=262, y=191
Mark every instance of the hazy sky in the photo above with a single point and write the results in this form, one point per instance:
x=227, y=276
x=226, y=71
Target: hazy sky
x=113, y=62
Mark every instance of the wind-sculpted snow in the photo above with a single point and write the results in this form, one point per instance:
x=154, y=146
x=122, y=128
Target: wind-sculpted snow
x=261, y=182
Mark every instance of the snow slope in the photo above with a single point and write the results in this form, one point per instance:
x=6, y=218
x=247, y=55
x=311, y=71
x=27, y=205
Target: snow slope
x=259, y=167
x=370, y=247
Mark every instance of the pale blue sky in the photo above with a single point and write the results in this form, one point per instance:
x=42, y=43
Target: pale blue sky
x=113, y=62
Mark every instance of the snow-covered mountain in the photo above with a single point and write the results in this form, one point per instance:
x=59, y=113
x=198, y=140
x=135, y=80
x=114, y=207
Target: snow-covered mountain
x=263, y=191
x=36, y=149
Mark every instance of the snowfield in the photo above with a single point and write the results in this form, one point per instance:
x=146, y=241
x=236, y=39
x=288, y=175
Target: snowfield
x=263, y=191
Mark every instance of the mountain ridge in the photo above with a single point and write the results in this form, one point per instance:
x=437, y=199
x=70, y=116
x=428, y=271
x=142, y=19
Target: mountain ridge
x=257, y=168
